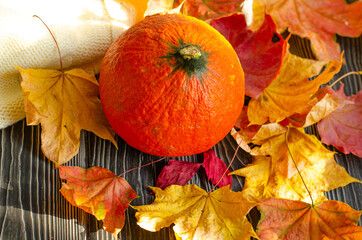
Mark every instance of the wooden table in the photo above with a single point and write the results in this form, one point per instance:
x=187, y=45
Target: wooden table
x=31, y=206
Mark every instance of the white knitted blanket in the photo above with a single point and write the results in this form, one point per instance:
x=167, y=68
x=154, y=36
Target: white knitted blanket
x=84, y=29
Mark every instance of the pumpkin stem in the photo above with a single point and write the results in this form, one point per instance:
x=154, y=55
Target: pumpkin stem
x=188, y=58
x=190, y=52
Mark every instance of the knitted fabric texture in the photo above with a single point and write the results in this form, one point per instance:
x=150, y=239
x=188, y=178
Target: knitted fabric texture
x=84, y=29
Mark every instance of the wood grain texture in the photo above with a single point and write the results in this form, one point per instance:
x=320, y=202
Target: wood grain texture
x=31, y=206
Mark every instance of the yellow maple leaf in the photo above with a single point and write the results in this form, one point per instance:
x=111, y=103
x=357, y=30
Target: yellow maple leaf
x=291, y=91
x=63, y=103
x=276, y=176
x=197, y=214
x=262, y=182
x=306, y=150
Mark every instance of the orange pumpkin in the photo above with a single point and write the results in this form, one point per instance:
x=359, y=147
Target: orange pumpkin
x=171, y=85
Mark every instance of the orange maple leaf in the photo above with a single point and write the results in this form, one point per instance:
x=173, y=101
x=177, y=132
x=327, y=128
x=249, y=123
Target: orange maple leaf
x=99, y=192
x=287, y=219
x=318, y=21
x=197, y=214
x=63, y=103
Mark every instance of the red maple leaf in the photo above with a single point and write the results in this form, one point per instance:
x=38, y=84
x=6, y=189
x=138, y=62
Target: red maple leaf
x=343, y=127
x=176, y=173
x=261, y=53
x=215, y=169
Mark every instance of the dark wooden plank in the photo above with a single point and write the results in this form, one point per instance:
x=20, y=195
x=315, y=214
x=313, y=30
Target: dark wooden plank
x=31, y=206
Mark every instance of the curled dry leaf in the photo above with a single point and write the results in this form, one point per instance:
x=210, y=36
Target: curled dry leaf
x=343, y=127
x=314, y=114
x=244, y=133
x=261, y=53
x=176, y=173
x=286, y=219
x=99, y=192
x=318, y=21
x=291, y=92
x=196, y=214
x=63, y=103
x=248, y=134
x=241, y=139
x=276, y=176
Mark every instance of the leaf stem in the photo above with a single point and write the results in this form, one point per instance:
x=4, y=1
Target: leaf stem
x=130, y=170
x=305, y=185
x=232, y=160
x=56, y=43
x=345, y=75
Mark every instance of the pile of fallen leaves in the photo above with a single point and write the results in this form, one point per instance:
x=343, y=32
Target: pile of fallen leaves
x=290, y=171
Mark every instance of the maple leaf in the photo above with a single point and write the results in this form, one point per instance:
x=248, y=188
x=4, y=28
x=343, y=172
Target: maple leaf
x=63, y=103
x=201, y=9
x=197, y=214
x=261, y=53
x=247, y=134
x=241, y=139
x=99, y=192
x=242, y=131
x=287, y=219
x=215, y=169
x=305, y=149
x=314, y=113
x=318, y=21
x=261, y=182
x=267, y=131
x=343, y=127
x=276, y=176
x=209, y=9
x=243, y=124
x=291, y=91
x=176, y=173
x=180, y=172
